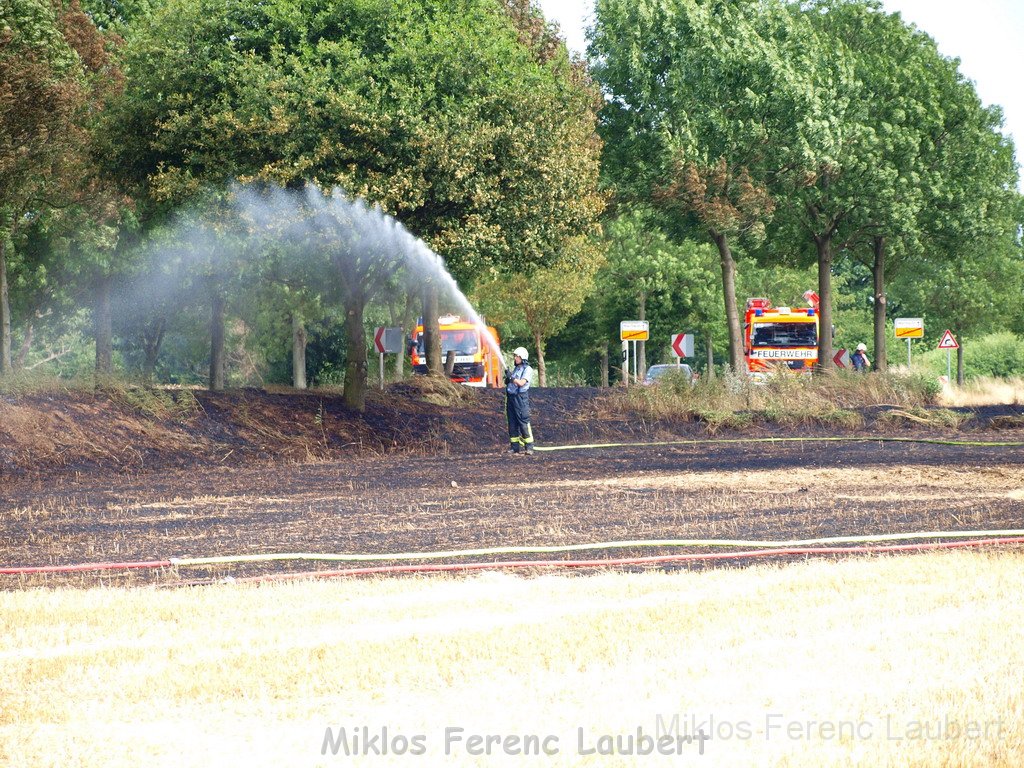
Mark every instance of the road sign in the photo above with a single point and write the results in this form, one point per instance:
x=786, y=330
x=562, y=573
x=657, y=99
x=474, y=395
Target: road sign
x=388, y=340
x=682, y=345
x=948, y=342
x=909, y=327
x=841, y=358
x=634, y=330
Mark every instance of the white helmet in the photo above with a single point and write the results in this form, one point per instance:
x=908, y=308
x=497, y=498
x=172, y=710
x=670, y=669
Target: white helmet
x=521, y=353
x=862, y=347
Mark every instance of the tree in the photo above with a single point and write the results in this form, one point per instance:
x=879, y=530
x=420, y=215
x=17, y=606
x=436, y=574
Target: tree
x=909, y=105
x=651, y=277
x=974, y=270
x=54, y=74
x=704, y=96
x=547, y=298
x=440, y=116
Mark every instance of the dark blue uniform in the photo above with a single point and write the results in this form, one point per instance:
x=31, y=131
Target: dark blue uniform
x=517, y=410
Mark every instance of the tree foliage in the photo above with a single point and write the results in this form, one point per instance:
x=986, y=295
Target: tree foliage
x=547, y=298
x=55, y=74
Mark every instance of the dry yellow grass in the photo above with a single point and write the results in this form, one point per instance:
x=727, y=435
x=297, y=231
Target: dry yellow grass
x=814, y=664
x=984, y=391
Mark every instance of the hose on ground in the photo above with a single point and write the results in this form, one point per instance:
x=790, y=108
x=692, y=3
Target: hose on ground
x=823, y=545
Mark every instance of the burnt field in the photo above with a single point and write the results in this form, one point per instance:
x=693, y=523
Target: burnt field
x=436, y=477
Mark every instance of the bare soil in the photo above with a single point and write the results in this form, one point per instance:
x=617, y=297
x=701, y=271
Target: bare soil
x=86, y=478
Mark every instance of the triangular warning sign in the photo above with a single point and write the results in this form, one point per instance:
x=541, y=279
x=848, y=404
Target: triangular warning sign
x=948, y=342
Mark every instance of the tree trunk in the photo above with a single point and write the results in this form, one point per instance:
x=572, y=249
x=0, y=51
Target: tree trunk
x=878, y=273
x=960, y=360
x=5, y=313
x=709, y=347
x=26, y=346
x=732, y=313
x=431, y=330
x=405, y=323
x=153, y=339
x=823, y=243
x=604, y=363
x=103, y=328
x=216, y=341
x=356, y=368
x=641, y=346
x=298, y=351
x=542, y=376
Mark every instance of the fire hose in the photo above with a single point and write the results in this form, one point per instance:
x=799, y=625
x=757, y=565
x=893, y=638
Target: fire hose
x=868, y=544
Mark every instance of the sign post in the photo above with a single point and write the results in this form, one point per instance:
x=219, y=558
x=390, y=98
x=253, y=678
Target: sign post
x=948, y=343
x=387, y=341
x=625, y=363
x=909, y=328
x=682, y=345
x=633, y=331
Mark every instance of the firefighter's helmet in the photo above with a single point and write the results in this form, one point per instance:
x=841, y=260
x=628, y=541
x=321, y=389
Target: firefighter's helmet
x=521, y=353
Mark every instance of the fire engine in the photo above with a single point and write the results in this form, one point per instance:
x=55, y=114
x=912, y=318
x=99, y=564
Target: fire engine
x=777, y=338
x=477, y=354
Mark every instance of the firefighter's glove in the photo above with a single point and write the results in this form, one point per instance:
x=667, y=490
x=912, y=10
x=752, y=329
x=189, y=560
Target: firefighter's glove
x=508, y=377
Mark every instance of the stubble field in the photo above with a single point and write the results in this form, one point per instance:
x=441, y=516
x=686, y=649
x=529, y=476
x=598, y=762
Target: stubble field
x=859, y=659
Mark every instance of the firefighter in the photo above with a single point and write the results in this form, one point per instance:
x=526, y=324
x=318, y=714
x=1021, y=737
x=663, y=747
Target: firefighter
x=517, y=403
x=860, y=358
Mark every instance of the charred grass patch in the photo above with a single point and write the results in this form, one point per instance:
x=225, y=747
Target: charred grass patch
x=399, y=505
x=123, y=427
x=1006, y=422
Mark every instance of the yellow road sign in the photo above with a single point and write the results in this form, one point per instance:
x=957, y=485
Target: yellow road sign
x=634, y=330
x=635, y=335
x=909, y=327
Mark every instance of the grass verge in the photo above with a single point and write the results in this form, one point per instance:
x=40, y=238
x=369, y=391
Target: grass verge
x=872, y=661
x=984, y=390
x=937, y=418
x=737, y=402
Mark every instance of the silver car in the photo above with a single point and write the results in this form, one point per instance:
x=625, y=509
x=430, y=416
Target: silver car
x=657, y=372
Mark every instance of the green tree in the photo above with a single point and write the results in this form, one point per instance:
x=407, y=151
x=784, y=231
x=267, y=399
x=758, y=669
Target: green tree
x=649, y=276
x=870, y=199
x=441, y=116
x=547, y=298
x=54, y=76
x=703, y=99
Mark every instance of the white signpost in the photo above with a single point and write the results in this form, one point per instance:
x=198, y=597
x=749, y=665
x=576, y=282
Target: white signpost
x=948, y=343
x=632, y=331
x=682, y=346
x=387, y=341
x=909, y=328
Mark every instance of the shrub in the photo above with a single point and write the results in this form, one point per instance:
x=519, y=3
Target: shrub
x=998, y=355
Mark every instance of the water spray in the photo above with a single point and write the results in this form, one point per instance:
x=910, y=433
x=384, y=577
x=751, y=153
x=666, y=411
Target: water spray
x=362, y=232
